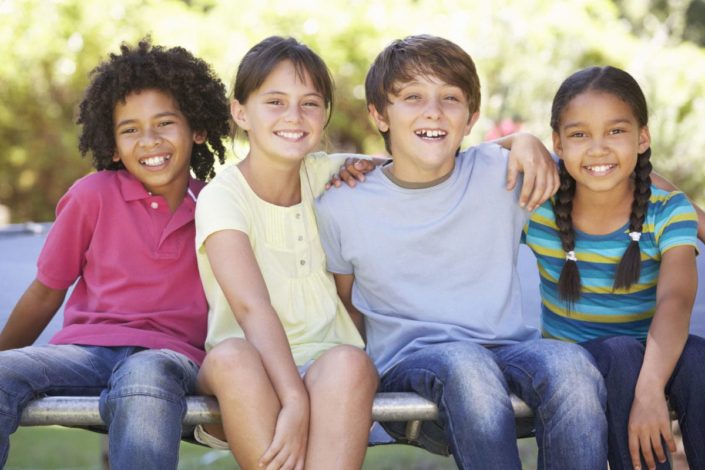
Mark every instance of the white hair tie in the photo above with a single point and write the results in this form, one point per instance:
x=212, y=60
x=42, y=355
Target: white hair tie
x=570, y=256
x=635, y=236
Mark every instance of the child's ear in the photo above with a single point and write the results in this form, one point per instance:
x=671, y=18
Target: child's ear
x=116, y=157
x=380, y=120
x=557, y=145
x=644, y=139
x=237, y=111
x=199, y=137
x=471, y=121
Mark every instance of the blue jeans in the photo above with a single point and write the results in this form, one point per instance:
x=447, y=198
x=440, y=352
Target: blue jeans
x=471, y=385
x=619, y=359
x=142, y=395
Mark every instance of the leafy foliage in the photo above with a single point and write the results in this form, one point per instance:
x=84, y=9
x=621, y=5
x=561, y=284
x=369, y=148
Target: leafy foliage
x=523, y=50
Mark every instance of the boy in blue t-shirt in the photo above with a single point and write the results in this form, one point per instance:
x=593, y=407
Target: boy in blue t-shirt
x=426, y=252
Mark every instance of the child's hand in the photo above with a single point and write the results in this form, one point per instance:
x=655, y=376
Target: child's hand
x=351, y=172
x=288, y=448
x=529, y=156
x=649, y=421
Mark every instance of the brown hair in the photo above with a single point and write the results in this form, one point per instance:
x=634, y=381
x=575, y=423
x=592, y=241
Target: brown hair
x=422, y=55
x=264, y=56
x=622, y=85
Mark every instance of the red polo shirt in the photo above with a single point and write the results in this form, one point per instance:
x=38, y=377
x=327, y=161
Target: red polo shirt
x=134, y=264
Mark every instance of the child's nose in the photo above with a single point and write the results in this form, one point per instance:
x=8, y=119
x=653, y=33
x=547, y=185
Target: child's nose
x=433, y=109
x=150, y=138
x=293, y=114
x=597, y=147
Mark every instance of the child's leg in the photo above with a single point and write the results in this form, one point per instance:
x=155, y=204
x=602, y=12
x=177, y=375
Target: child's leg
x=686, y=392
x=619, y=360
x=55, y=369
x=144, y=406
x=566, y=391
x=341, y=385
x=233, y=371
x=476, y=417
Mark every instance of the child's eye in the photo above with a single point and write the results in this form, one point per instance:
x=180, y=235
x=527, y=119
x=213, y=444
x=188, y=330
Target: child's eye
x=165, y=123
x=312, y=104
x=127, y=130
x=452, y=98
x=576, y=135
x=412, y=97
x=617, y=131
x=275, y=102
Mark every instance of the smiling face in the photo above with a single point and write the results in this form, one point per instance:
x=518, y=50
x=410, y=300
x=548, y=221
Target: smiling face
x=426, y=120
x=598, y=139
x=154, y=141
x=284, y=118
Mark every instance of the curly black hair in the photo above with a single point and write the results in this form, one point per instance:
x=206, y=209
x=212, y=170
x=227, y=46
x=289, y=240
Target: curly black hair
x=198, y=92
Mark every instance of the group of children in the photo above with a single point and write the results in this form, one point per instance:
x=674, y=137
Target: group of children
x=293, y=305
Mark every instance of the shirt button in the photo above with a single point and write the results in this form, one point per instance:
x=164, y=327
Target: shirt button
x=302, y=262
x=298, y=216
x=301, y=238
x=155, y=205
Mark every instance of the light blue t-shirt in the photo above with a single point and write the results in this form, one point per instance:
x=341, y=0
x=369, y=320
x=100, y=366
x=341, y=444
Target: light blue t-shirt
x=431, y=265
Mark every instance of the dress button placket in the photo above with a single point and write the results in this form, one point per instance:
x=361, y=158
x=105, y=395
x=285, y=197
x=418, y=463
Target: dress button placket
x=299, y=225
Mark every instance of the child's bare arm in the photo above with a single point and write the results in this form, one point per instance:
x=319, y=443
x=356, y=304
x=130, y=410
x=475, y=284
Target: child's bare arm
x=649, y=419
x=662, y=183
x=529, y=156
x=236, y=269
x=354, y=170
x=33, y=312
x=343, y=284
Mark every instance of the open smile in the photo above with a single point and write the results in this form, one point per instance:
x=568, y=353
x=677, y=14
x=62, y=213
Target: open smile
x=293, y=136
x=431, y=134
x=155, y=160
x=599, y=170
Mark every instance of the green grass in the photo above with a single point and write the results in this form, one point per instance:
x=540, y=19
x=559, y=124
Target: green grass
x=57, y=448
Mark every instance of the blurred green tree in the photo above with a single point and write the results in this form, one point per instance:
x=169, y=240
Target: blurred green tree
x=523, y=50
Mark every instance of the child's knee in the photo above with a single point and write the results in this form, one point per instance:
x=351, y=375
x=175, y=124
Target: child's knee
x=232, y=352
x=157, y=373
x=230, y=359
x=344, y=366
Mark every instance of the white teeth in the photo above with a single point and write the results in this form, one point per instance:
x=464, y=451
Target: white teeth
x=155, y=161
x=290, y=135
x=431, y=133
x=599, y=168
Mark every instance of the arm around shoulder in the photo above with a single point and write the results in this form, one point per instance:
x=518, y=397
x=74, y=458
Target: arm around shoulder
x=33, y=312
x=662, y=183
x=529, y=156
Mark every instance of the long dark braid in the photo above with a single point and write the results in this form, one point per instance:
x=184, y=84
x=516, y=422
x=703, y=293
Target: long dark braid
x=622, y=85
x=629, y=267
x=569, y=280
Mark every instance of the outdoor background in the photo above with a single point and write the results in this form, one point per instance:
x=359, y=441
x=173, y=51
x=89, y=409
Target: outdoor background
x=523, y=50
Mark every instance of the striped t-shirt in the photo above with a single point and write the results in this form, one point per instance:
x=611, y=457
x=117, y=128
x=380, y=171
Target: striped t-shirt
x=601, y=311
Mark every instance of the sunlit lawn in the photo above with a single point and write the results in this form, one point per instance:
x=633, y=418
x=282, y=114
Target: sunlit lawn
x=40, y=448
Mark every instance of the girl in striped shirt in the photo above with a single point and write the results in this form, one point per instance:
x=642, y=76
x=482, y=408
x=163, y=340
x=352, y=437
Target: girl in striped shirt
x=616, y=259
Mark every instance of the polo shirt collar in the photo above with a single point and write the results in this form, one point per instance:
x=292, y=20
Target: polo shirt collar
x=132, y=190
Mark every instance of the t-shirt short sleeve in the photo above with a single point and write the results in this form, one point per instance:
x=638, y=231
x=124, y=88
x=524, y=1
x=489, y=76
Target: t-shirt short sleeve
x=63, y=254
x=331, y=237
x=676, y=223
x=221, y=205
x=320, y=167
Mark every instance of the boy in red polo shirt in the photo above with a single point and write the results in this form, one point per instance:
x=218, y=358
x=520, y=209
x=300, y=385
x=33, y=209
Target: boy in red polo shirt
x=135, y=322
